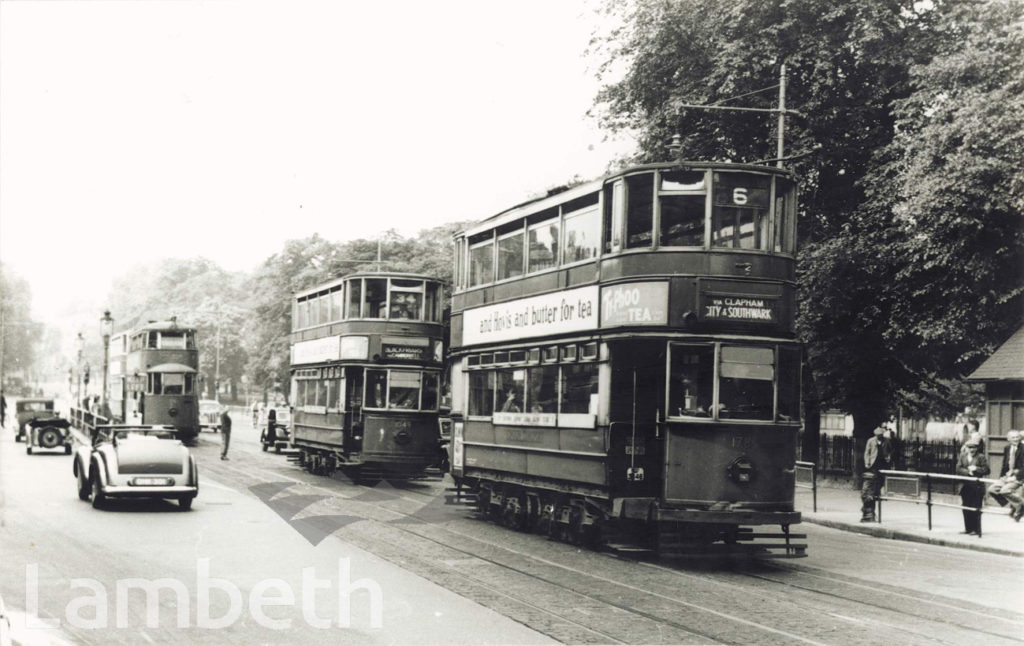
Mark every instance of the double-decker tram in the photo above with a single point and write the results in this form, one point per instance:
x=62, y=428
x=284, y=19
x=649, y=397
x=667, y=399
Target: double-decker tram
x=624, y=365
x=366, y=360
x=158, y=384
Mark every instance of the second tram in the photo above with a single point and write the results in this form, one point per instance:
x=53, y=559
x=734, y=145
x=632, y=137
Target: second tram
x=152, y=377
x=624, y=362
x=366, y=359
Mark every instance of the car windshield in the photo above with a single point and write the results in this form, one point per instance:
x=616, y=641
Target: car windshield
x=25, y=407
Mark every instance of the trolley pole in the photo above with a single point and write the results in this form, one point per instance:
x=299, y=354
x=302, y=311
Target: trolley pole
x=780, y=147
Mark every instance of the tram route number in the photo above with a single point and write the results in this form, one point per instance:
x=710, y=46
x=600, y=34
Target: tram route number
x=638, y=449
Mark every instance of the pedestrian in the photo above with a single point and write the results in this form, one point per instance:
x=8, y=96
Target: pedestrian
x=255, y=414
x=1008, y=489
x=877, y=456
x=225, y=431
x=3, y=410
x=972, y=465
x=271, y=432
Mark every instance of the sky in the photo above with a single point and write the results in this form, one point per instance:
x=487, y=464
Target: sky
x=132, y=131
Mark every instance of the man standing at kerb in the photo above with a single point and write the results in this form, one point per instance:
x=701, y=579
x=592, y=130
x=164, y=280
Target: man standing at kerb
x=877, y=456
x=225, y=430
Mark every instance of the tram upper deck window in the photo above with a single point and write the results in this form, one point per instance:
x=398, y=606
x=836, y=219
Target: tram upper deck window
x=325, y=307
x=510, y=255
x=746, y=386
x=481, y=263
x=355, y=298
x=542, y=239
x=681, y=199
x=739, y=211
x=432, y=305
x=785, y=216
x=691, y=380
x=639, y=210
x=582, y=235
x=406, y=299
x=376, y=298
x=337, y=303
x=171, y=340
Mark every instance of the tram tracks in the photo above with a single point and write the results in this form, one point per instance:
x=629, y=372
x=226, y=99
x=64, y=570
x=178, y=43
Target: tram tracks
x=586, y=597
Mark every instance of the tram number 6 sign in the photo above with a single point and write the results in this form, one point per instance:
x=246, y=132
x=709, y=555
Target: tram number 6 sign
x=739, y=196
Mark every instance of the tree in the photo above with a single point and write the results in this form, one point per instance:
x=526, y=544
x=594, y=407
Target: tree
x=956, y=160
x=19, y=331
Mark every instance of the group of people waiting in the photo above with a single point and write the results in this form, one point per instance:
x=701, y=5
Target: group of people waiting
x=971, y=463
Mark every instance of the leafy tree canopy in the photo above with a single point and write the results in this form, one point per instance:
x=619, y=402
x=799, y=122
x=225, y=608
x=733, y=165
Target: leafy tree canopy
x=907, y=148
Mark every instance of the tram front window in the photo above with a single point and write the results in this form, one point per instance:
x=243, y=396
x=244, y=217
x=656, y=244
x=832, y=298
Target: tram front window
x=691, y=385
x=405, y=390
x=746, y=387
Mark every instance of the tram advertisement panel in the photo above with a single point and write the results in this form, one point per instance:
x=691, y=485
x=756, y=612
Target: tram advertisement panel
x=572, y=310
x=634, y=304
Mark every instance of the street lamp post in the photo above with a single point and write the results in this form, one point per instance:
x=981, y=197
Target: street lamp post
x=80, y=340
x=106, y=329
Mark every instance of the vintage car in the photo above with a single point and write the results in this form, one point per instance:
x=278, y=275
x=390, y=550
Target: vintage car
x=48, y=433
x=209, y=414
x=135, y=461
x=29, y=409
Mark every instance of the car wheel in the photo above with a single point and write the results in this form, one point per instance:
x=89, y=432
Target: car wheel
x=28, y=449
x=265, y=446
x=98, y=499
x=83, y=485
x=185, y=502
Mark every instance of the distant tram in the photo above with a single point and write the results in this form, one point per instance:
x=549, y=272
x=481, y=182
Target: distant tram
x=366, y=363
x=624, y=364
x=152, y=377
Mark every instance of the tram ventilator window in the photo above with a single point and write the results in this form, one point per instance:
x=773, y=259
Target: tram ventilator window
x=747, y=382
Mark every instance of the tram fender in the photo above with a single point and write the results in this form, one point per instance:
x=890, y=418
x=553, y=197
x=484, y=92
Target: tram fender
x=634, y=508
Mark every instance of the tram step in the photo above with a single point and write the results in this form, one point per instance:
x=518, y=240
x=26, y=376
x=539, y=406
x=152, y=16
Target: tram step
x=748, y=536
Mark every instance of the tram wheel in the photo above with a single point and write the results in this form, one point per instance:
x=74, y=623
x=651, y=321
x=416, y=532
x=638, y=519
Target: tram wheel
x=514, y=516
x=483, y=502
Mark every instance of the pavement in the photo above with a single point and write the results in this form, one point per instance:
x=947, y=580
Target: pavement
x=838, y=506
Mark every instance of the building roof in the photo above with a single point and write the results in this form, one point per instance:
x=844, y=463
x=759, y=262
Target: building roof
x=1007, y=362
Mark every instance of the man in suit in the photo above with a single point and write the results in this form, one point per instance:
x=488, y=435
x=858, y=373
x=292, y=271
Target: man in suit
x=877, y=456
x=1008, y=489
x=972, y=464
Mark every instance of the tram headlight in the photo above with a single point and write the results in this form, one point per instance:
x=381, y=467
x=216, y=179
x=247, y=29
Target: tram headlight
x=741, y=470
